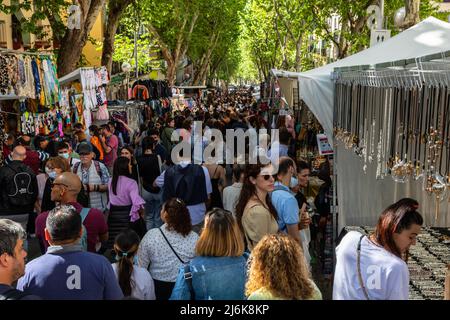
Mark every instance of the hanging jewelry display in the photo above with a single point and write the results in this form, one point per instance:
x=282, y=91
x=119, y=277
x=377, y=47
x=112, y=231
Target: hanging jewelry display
x=398, y=118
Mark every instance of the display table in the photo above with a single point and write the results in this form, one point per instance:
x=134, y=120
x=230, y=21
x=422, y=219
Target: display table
x=427, y=262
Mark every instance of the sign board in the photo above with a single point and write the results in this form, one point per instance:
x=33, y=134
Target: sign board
x=323, y=144
x=379, y=36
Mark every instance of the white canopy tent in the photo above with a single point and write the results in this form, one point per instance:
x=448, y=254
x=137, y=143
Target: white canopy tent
x=73, y=76
x=361, y=197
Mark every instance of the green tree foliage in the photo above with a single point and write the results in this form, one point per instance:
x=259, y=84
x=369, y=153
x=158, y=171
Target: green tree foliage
x=285, y=33
x=216, y=34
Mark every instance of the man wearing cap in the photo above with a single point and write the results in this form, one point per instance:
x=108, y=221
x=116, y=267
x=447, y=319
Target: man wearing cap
x=65, y=190
x=94, y=175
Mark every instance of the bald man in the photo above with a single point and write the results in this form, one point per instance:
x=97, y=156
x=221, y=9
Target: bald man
x=19, y=188
x=65, y=191
x=34, y=158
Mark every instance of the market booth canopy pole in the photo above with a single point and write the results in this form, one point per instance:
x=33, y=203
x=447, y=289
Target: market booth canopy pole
x=317, y=88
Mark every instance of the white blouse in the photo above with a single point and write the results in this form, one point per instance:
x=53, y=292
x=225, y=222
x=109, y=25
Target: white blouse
x=155, y=254
x=143, y=288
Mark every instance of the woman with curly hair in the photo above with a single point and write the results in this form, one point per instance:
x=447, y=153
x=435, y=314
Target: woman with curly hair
x=268, y=280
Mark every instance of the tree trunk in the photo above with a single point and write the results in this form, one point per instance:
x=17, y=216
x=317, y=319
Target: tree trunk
x=171, y=73
x=73, y=42
x=173, y=57
x=116, y=8
x=343, y=43
x=298, y=48
x=205, y=61
x=171, y=64
x=412, y=13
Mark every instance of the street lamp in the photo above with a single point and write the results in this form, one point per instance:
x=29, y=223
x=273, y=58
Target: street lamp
x=126, y=67
x=399, y=17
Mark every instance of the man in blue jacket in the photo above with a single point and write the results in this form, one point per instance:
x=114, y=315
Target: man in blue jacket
x=66, y=272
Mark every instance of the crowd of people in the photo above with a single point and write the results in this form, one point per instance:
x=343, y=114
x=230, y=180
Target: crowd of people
x=120, y=217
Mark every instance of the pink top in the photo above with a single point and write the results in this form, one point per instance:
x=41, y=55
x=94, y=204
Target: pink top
x=127, y=194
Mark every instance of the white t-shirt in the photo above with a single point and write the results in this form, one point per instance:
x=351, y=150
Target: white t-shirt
x=144, y=288
x=231, y=197
x=155, y=253
x=385, y=276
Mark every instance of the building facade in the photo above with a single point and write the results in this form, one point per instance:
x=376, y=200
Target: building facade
x=12, y=37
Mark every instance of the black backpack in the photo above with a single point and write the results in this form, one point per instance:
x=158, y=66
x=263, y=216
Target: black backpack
x=12, y=294
x=20, y=187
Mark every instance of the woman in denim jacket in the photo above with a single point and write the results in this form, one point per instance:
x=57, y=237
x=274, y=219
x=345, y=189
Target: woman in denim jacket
x=218, y=272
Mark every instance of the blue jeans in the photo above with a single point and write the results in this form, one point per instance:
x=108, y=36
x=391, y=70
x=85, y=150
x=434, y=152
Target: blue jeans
x=153, y=204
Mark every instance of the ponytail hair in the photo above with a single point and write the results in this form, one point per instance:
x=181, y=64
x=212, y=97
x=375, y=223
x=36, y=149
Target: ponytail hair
x=126, y=245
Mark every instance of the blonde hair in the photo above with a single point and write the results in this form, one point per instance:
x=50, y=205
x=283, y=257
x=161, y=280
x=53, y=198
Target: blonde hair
x=278, y=266
x=221, y=236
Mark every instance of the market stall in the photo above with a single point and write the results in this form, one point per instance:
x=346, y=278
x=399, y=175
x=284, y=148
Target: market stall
x=284, y=100
x=156, y=93
x=84, y=90
x=29, y=95
x=187, y=96
x=356, y=190
x=392, y=119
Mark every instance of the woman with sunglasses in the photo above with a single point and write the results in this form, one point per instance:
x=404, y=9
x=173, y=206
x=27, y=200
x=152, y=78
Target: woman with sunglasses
x=255, y=213
x=218, y=272
x=374, y=267
x=165, y=249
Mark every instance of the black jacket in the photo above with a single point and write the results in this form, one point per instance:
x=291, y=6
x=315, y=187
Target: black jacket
x=6, y=175
x=186, y=183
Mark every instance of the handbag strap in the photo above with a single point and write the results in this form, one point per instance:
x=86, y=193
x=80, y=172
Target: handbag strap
x=358, y=262
x=188, y=279
x=171, y=246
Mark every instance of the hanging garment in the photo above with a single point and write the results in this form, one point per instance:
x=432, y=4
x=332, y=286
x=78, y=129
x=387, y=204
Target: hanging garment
x=4, y=76
x=102, y=113
x=30, y=87
x=51, y=87
x=37, y=78
x=27, y=123
x=41, y=97
x=3, y=136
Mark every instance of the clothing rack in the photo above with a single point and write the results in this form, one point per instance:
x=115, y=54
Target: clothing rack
x=398, y=63
x=7, y=112
x=24, y=52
